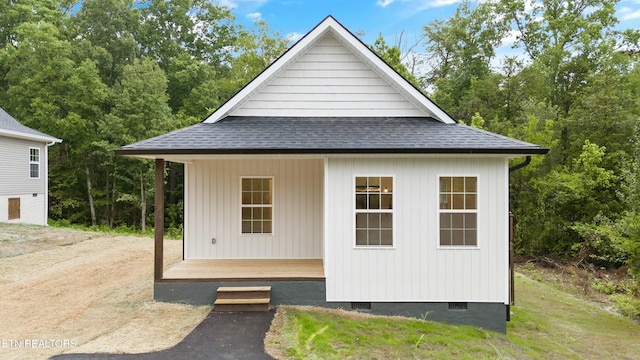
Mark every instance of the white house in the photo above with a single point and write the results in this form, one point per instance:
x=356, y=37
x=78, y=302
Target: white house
x=23, y=172
x=333, y=180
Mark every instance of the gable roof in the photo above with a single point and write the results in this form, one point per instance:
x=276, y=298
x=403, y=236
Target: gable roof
x=348, y=135
x=10, y=127
x=330, y=27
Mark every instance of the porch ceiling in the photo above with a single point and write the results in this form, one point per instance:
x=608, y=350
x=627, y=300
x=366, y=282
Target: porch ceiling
x=245, y=270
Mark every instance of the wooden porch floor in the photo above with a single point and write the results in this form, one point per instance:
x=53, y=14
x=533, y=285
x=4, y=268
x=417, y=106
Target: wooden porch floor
x=246, y=270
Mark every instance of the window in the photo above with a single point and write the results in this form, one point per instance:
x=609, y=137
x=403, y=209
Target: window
x=458, y=211
x=14, y=208
x=34, y=163
x=257, y=205
x=374, y=211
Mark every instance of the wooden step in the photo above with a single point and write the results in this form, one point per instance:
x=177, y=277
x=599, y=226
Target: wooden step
x=246, y=298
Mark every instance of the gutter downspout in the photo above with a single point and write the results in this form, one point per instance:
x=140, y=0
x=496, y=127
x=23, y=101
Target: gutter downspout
x=512, y=297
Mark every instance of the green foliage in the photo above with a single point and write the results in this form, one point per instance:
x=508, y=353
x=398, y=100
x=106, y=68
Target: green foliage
x=393, y=56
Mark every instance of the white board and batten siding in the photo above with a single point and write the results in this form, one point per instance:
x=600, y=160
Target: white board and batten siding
x=213, y=209
x=328, y=80
x=15, y=181
x=416, y=269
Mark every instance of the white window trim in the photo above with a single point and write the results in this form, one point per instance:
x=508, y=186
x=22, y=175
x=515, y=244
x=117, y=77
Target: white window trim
x=462, y=211
x=39, y=163
x=272, y=206
x=356, y=211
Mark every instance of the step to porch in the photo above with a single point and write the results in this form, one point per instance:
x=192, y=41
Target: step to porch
x=245, y=298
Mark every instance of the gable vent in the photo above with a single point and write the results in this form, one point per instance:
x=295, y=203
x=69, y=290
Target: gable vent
x=457, y=306
x=360, y=306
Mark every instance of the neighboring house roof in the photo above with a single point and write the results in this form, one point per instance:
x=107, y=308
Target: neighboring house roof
x=321, y=135
x=10, y=127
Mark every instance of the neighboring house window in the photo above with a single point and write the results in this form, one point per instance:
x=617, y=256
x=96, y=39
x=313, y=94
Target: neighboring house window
x=34, y=163
x=374, y=211
x=14, y=208
x=458, y=211
x=257, y=205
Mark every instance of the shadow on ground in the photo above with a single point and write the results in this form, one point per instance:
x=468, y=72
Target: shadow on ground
x=219, y=336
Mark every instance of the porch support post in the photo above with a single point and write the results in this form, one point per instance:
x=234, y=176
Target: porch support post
x=159, y=221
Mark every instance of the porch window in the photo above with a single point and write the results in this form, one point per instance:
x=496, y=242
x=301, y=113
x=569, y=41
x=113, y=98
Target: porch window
x=374, y=211
x=34, y=163
x=458, y=211
x=257, y=205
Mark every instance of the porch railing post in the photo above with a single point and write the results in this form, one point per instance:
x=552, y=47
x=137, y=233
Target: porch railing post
x=159, y=221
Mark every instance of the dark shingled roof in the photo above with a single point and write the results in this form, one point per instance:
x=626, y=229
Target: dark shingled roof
x=321, y=135
x=7, y=122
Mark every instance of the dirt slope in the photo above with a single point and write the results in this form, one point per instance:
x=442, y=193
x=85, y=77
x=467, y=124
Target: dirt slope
x=71, y=291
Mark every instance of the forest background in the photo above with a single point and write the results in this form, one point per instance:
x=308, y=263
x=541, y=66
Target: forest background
x=101, y=74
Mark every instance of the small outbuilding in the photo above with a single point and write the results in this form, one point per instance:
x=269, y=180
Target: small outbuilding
x=330, y=180
x=23, y=172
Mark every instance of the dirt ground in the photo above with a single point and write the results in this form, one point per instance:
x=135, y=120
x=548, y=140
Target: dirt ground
x=68, y=291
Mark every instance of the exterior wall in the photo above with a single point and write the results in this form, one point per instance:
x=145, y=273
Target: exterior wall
x=212, y=209
x=328, y=80
x=416, y=269
x=15, y=181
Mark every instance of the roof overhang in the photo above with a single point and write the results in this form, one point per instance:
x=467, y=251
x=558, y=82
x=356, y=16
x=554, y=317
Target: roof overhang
x=24, y=136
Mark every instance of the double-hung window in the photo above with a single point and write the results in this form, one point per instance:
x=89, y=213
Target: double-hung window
x=458, y=211
x=34, y=163
x=374, y=211
x=257, y=205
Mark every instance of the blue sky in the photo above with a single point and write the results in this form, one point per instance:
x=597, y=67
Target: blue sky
x=295, y=18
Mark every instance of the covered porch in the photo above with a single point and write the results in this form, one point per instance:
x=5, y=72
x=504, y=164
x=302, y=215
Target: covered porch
x=228, y=270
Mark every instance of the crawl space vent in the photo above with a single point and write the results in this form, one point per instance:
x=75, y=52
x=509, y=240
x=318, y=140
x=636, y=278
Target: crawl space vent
x=360, y=306
x=457, y=306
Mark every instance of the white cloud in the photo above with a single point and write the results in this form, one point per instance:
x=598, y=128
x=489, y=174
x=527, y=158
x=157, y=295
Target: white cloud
x=228, y=3
x=438, y=3
x=294, y=36
x=255, y=16
x=627, y=13
x=385, y=3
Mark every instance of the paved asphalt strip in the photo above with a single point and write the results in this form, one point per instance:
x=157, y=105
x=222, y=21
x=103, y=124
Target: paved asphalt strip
x=222, y=336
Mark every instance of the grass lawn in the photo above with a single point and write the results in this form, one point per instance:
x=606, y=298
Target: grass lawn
x=547, y=323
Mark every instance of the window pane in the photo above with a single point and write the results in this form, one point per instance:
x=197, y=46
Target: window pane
x=458, y=184
x=458, y=201
x=246, y=184
x=457, y=221
x=246, y=227
x=256, y=185
x=361, y=201
x=266, y=185
x=267, y=213
x=386, y=221
x=386, y=201
x=387, y=184
x=374, y=201
x=445, y=237
x=246, y=198
x=256, y=198
x=457, y=237
x=445, y=184
x=445, y=201
x=361, y=221
x=374, y=237
x=361, y=184
x=374, y=221
x=470, y=185
x=266, y=227
x=386, y=237
x=445, y=221
x=470, y=221
x=257, y=227
x=470, y=238
x=266, y=197
x=256, y=213
x=470, y=201
x=246, y=213
x=361, y=237
x=374, y=184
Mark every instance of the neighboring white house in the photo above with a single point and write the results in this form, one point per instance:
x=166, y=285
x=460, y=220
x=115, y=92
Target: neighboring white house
x=335, y=181
x=23, y=172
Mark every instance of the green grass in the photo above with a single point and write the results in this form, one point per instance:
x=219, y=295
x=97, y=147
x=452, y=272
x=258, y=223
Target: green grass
x=170, y=234
x=547, y=323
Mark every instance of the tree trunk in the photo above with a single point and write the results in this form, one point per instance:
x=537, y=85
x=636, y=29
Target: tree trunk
x=91, y=205
x=143, y=204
